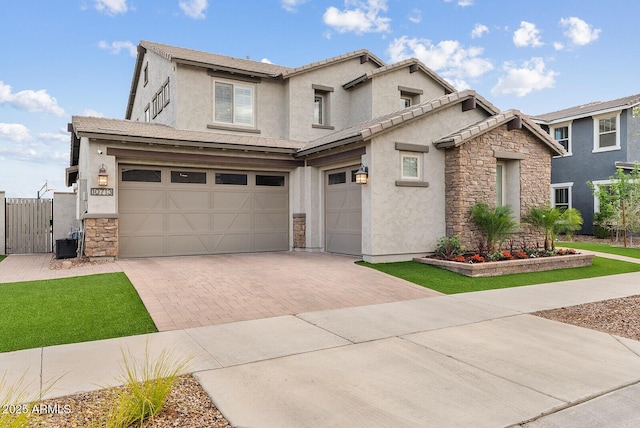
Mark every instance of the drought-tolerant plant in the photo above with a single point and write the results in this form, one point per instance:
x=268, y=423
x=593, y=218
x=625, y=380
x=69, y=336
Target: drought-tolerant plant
x=551, y=221
x=14, y=406
x=449, y=247
x=496, y=224
x=146, y=388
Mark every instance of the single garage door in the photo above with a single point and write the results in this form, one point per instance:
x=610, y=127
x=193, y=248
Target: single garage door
x=343, y=212
x=178, y=211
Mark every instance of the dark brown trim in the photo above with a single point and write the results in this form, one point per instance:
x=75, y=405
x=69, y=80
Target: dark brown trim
x=364, y=58
x=405, y=147
x=216, y=160
x=413, y=68
x=515, y=123
x=469, y=104
x=337, y=157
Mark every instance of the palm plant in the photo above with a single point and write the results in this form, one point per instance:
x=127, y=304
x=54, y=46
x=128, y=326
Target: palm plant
x=496, y=224
x=551, y=221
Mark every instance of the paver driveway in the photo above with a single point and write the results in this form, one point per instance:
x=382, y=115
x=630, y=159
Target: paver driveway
x=183, y=292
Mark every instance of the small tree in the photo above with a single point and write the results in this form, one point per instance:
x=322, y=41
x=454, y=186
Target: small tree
x=619, y=203
x=551, y=221
x=496, y=224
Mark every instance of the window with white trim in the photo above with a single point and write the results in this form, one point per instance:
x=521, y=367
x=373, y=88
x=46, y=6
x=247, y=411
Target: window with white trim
x=561, y=195
x=562, y=134
x=596, y=201
x=319, y=114
x=606, y=135
x=233, y=103
x=410, y=166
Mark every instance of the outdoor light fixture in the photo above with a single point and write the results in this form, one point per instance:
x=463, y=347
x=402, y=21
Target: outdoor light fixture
x=362, y=174
x=103, y=177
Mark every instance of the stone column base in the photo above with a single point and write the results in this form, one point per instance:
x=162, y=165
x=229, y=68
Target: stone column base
x=101, y=237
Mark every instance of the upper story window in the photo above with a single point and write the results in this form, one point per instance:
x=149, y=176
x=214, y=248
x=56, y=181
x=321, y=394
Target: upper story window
x=562, y=134
x=322, y=106
x=147, y=114
x=410, y=166
x=146, y=74
x=234, y=103
x=409, y=96
x=606, y=135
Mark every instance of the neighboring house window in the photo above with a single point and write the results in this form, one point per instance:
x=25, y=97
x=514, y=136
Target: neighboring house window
x=233, y=103
x=146, y=74
x=147, y=113
x=500, y=184
x=410, y=166
x=409, y=96
x=605, y=133
x=405, y=102
x=562, y=134
x=597, y=184
x=561, y=195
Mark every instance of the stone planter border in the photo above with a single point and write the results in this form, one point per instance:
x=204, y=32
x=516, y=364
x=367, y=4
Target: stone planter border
x=507, y=267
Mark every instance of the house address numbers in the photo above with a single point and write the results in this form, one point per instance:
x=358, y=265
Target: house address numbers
x=102, y=191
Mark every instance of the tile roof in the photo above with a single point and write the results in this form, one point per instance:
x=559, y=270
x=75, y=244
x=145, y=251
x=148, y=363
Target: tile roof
x=406, y=63
x=329, y=61
x=130, y=130
x=462, y=136
x=374, y=126
x=214, y=60
x=588, y=109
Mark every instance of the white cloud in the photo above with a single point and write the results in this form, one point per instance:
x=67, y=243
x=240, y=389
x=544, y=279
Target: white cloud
x=116, y=47
x=450, y=59
x=291, y=5
x=91, y=112
x=29, y=100
x=194, y=8
x=558, y=46
x=416, y=16
x=364, y=18
x=14, y=132
x=111, y=7
x=461, y=3
x=478, y=31
x=519, y=81
x=266, y=61
x=579, y=32
x=527, y=35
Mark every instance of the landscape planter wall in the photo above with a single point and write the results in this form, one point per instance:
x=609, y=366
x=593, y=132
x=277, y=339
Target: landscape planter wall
x=507, y=267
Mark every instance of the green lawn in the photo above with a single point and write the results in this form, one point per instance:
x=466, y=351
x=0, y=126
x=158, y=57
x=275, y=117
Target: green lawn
x=603, y=248
x=69, y=310
x=2, y=257
x=448, y=282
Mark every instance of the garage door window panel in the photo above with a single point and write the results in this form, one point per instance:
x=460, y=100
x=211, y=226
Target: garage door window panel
x=270, y=180
x=337, y=178
x=189, y=177
x=142, y=175
x=233, y=179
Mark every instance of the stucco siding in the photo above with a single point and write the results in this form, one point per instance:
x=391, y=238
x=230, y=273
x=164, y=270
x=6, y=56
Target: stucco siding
x=159, y=70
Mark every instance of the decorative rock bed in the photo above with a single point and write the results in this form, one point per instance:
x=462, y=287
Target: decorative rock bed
x=506, y=267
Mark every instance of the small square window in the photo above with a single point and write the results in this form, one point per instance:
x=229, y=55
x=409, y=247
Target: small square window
x=410, y=167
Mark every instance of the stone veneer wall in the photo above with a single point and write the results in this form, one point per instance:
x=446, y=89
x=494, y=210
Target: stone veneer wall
x=101, y=237
x=299, y=230
x=470, y=177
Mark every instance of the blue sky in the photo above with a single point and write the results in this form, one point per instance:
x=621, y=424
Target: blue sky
x=76, y=57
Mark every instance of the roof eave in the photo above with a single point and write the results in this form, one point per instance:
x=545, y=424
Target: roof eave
x=134, y=81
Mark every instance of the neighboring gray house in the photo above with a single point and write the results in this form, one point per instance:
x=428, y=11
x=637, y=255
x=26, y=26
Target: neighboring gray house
x=598, y=138
x=221, y=155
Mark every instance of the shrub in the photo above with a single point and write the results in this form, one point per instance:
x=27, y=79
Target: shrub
x=551, y=221
x=460, y=259
x=496, y=224
x=449, y=247
x=476, y=258
x=520, y=255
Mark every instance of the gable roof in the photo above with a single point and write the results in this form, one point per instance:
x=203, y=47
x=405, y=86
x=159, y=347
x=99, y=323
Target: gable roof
x=589, y=109
x=462, y=136
x=412, y=63
x=211, y=60
x=369, y=128
x=135, y=131
x=364, y=55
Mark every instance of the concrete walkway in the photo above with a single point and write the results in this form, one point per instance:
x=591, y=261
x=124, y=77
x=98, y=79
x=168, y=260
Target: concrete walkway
x=475, y=359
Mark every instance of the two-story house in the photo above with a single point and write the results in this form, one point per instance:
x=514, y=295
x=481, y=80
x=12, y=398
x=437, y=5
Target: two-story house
x=598, y=138
x=347, y=155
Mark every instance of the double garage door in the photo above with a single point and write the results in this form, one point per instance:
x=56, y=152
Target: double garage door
x=176, y=211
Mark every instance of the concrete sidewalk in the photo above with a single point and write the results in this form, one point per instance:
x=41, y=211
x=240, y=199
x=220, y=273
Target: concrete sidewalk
x=474, y=359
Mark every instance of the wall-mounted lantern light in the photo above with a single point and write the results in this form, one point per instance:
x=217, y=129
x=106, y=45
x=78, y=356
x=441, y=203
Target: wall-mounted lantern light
x=103, y=177
x=362, y=174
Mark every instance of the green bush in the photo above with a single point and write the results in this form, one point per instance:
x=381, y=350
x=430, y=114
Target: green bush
x=449, y=247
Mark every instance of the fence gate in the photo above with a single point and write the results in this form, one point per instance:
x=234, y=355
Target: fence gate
x=29, y=225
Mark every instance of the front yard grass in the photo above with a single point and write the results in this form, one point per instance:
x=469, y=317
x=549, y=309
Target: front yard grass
x=70, y=310
x=448, y=282
x=603, y=248
x=2, y=257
